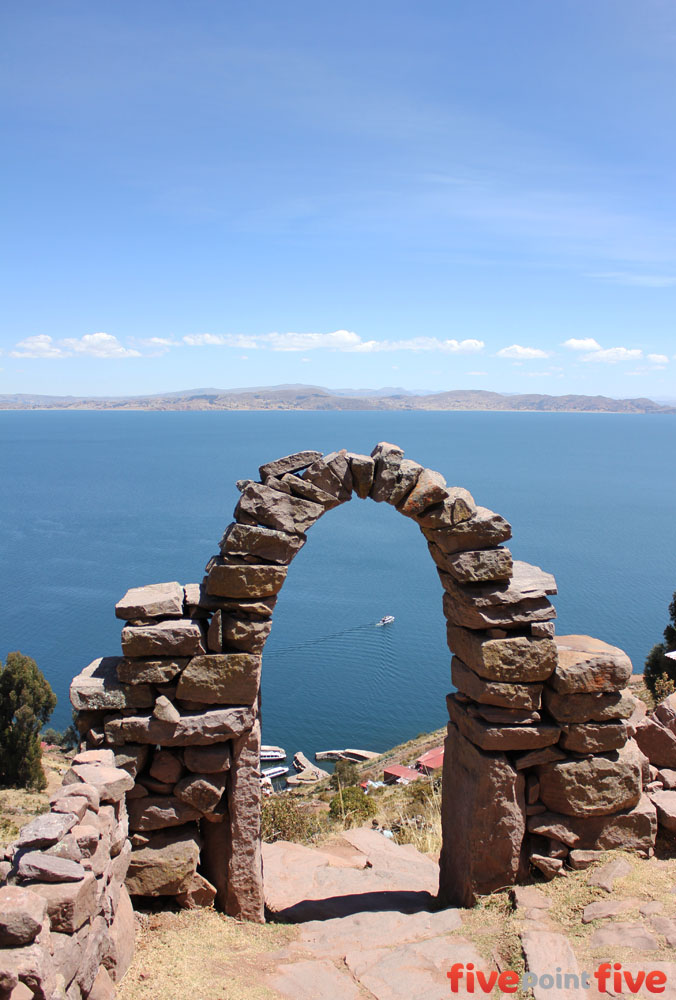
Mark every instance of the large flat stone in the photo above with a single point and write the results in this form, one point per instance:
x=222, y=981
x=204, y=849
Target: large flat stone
x=221, y=679
x=665, y=803
x=601, y=706
x=166, y=865
x=208, y=760
x=657, y=742
x=457, y=507
x=488, y=692
x=387, y=459
x=527, y=583
x=512, y=659
x=265, y=543
x=237, y=579
x=363, y=469
x=182, y=637
x=260, y=504
x=594, y=737
x=414, y=970
x=483, y=530
x=156, y=812
x=331, y=474
x=202, y=791
x=587, y=664
x=98, y=687
x=429, y=489
x=156, y=671
x=110, y=782
x=500, y=737
x=49, y=868
x=45, y=830
x=289, y=463
x=158, y=600
x=299, y=487
x=592, y=786
x=232, y=632
x=545, y=953
x=192, y=729
x=478, y=566
x=69, y=904
x=483, y=815
x=409, y=473
x=22, y=915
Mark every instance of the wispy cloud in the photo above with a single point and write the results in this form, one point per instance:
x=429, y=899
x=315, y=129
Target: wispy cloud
x=614, y=355
x=635, y=279
x=338, y=340
x=518, y=353
x=94, y=345
x=584, y=344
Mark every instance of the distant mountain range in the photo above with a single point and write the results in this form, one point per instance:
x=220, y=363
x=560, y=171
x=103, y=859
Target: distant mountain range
x=312, y=397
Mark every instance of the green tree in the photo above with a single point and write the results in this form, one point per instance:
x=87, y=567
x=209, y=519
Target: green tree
x=352, y=806
x=26, y=703
x=345, y=774
x=658, y=663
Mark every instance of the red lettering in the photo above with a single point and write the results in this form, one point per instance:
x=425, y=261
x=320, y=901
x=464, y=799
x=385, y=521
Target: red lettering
x=508, y=982
x=655, y=981
x=486, y=982
x=634, y=984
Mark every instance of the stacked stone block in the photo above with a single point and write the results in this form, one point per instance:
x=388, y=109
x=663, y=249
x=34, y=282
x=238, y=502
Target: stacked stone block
x=533, y=720
x=66, y=920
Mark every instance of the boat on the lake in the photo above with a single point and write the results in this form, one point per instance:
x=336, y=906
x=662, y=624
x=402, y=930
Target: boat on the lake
x=272, y=753
x=385, y=620
x=274, y=772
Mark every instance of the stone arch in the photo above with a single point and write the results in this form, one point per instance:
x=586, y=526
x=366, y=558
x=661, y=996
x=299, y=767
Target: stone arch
x=537, y=756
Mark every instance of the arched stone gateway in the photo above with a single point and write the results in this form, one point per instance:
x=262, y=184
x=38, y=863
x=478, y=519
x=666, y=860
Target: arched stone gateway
x=539, y=764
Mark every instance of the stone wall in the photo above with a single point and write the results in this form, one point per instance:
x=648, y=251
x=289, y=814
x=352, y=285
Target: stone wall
x=538, y=761
x=66, y=920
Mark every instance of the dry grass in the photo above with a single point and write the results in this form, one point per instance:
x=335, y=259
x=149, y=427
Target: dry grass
x=202, y=955
x=19, y=806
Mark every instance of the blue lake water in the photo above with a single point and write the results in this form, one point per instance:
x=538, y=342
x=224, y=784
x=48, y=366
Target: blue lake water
x=94, y=503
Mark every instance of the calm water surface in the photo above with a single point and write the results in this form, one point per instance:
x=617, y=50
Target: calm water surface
x=94, y=503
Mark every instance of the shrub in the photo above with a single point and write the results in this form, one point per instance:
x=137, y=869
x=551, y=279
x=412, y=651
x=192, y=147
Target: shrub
x=352, y=806
x=659, y=668
x=345, y=774
x=284, y=818
x=26, y=702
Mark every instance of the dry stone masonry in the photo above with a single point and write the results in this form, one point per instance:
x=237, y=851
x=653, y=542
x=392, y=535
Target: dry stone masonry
x=539, y=761
x=66, y=919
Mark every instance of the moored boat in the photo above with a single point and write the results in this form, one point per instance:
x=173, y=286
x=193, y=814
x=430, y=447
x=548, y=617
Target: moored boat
x=272, y=753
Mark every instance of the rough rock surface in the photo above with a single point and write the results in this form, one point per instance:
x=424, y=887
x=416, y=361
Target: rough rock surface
x=587, y=664
x=158, y=600
x=591, y=786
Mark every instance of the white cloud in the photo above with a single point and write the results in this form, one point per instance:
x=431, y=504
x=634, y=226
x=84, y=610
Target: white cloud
x=339, y=340
x=614, y=355
x=658, y=359
x=585, y=344
x=519, y=353
x=637, y=280
x=95, y=345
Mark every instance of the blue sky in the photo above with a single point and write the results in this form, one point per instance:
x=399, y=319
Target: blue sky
x=456, y=194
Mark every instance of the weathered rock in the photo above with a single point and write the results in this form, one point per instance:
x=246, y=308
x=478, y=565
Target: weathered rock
x=299, y=487
x=289, y=463
x=589, y=707
x=158, y=600
x=155, y=787
x=238, y=579
x=265, y=543
x=513, y=616
x=155, y=812
x=167, y=638
x=487, y=692
x=606, y=876
x=548, y=866
x=247, y=634
x=132, y=759
x=409, y=473
x=511, y=659
x=67, y=848
x=45, y=830
x=194, y=728
x=120, y=943
x=332, y=474
x=657, y=742
x=22, y=915
x=543, y=630
x=157, y=671
x=387, y=459
x=580, y=860
x=533, y=757
x=483, y=820
x=79, y=790
x=478, y=566
x=200, y=892
x=244, y=898
x=27, y=973
x=594, y=737
x=504, y=716
x=201, y=791
x=457, y=507
x=591, y=786
x=221, y=679
x=619, y=933
x=490, y=737
x=69, y=904
x=545, y=951
x=668, y=778
x=166, y=865
x=665, y=803
x=208, y=760
x=97, y=687
x=272, y=509
x=588, y=664
x=529, y=897
x=103, y=987
x=48, y=868
x=666, y=926
x=103, y=755
x=71, y=804
x=87, y=837
x=111, y=782
x=166, y=711
x=166, y=766
x=483, y=530
x=429, y=489
x=527, y=583
x=363, y=470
